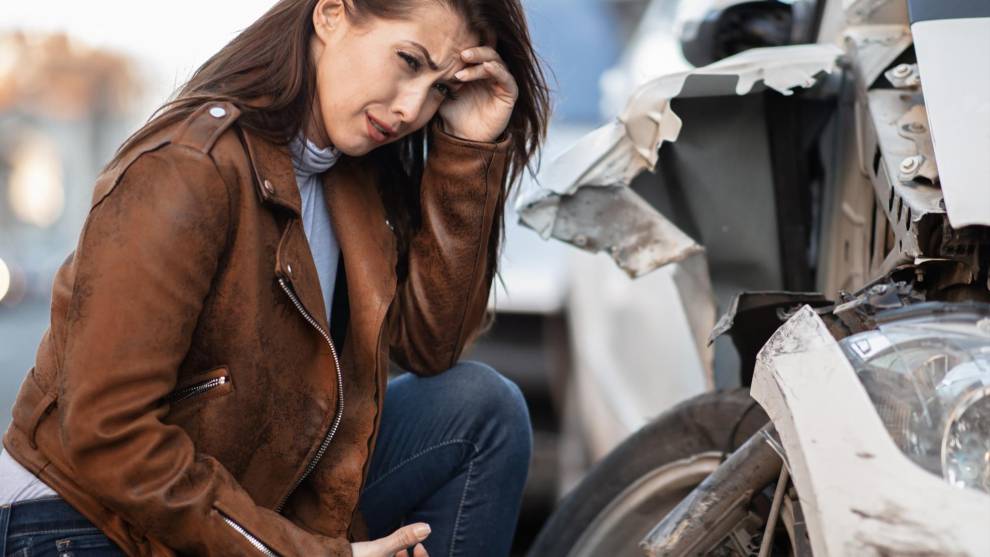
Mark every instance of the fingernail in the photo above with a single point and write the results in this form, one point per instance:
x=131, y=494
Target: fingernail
x=467, y=54
x=459, y=75
x=422, y=531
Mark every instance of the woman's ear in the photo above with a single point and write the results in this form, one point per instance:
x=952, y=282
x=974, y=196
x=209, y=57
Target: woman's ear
x=328, y=17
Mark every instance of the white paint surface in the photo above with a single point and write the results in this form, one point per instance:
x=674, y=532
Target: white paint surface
x=955, y=79
x=860, y=495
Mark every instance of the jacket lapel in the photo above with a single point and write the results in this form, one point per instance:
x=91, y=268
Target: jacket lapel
x=275, y=183
x=367, y=243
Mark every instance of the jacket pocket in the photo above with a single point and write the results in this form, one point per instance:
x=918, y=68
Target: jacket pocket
x=211, y=384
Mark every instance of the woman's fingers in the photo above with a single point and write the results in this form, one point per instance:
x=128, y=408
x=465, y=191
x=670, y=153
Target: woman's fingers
x=494, y=70
x=479, y=54
x=418, y=551
x=405, y=537
x=395, y=545
x=501, y=74
x=485, y=62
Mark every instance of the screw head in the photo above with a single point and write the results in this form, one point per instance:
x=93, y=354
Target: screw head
x=902, y=70
x=910, y=164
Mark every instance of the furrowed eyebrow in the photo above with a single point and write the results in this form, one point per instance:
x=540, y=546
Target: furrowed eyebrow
x=426, y=53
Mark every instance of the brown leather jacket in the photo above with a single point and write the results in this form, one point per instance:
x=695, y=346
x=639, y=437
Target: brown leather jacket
x=185, y=396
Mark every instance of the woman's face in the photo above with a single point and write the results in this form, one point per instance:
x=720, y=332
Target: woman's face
x=380, y=79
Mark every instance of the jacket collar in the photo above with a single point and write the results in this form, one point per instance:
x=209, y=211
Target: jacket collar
x=274, y=177
x=367, y=242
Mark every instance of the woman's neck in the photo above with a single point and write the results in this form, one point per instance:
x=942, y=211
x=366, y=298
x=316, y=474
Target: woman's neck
x=314, y=129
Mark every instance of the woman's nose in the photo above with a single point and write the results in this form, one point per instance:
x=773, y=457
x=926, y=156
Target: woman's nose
x=409, y=105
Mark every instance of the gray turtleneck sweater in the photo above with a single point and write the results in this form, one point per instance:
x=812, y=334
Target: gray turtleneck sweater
x=309, y=162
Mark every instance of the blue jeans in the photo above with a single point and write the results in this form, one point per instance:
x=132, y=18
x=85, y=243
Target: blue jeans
x=50, y=527
x=453, y=451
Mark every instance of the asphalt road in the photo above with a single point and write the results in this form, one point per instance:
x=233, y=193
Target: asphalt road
x=21, y=328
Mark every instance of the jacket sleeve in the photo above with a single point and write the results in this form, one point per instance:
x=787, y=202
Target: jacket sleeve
x=443, y=299
x=144, y=265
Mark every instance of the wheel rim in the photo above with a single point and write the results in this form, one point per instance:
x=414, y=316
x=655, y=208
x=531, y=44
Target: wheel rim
x=640, y=506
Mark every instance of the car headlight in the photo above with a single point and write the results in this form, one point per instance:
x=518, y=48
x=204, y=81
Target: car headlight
x=927, y=371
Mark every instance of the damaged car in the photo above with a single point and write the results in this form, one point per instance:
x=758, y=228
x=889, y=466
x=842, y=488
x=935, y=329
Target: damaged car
x=823, y=176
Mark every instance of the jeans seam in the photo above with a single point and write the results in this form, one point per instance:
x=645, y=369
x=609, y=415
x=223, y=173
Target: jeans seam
x=93, y=530
x=55, y=497
x=409, y=459
x=460, y=506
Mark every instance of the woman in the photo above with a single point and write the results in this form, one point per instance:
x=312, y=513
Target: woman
x=323, y=195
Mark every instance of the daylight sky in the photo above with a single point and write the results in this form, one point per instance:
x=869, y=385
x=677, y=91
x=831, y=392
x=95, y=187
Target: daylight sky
x=168, y=39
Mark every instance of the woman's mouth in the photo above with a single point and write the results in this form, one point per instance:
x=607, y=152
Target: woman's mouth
x=378, y=131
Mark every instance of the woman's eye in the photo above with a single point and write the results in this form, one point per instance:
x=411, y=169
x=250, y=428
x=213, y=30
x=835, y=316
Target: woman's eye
x=411, y=61
x=445, y=90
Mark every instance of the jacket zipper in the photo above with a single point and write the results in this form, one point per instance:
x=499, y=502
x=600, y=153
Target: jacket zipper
x=340, y=394
x=194, y=390
x=247, y=536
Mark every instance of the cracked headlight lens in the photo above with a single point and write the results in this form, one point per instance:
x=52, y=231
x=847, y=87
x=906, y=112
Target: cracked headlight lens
x=927, y=371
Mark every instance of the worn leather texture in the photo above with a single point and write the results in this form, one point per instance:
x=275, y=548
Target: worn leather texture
x=177, y=279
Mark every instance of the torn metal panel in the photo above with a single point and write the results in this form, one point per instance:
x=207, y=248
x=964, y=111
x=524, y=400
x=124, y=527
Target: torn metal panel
x=874, y=47
x=858, y=11
x=615, y=153
x=838, y=453
x=753, y=317
x=857, y=312
x=618, y=221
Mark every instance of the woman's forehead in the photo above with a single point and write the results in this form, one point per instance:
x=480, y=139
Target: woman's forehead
x=440, y=30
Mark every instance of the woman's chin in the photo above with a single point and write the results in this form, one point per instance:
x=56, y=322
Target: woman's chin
x=356, y=148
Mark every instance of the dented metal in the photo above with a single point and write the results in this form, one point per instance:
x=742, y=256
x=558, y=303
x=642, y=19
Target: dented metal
x=619, y=222
x=837, y=454
x=616, y=153
x=715, y=508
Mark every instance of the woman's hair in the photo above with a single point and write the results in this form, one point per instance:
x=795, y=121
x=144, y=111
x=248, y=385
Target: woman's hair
x=266, y=71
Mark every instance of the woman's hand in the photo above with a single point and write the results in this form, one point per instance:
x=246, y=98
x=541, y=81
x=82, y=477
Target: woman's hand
x=396, y=544
x=483, y=105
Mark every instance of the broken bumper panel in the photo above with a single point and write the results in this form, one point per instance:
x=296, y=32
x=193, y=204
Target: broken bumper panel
x=838, y=451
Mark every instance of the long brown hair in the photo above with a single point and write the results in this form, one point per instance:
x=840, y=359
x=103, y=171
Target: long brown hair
x=270, y=60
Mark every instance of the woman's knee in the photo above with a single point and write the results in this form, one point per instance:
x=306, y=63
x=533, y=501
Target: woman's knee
x=495, y=400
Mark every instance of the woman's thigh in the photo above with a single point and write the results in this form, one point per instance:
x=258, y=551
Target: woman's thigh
x=51, y=527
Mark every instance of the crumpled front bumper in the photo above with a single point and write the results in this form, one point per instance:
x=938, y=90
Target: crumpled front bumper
x=859, y=493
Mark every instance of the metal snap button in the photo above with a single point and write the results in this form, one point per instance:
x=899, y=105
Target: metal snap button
x=388, y=223
x=218, y=112
x=269, y=187
x=288, y=268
